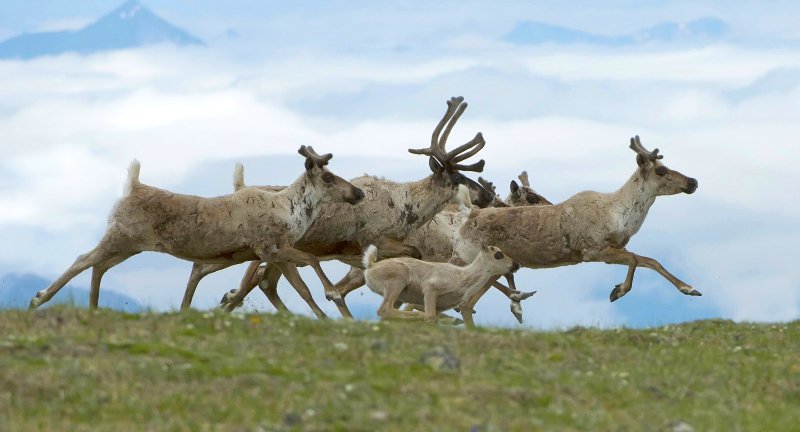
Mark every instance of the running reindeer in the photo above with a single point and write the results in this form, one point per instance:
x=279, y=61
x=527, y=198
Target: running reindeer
x=249, y=224
x=588, y=227
x=388, y=213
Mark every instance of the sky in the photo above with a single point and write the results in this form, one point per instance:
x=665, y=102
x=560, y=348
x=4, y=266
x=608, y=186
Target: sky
x=367, y=81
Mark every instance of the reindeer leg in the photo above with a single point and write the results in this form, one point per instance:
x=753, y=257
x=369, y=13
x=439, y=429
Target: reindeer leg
x=655, y=265
x=295, y=256
x=97, y=274
x=269, y=286
x=431, y=313
x=252, y=276
x=199, y=271
x=388, y=311
x=467, y=307
x=514, y=295
x=353, y=280
x=290, y=273
x=620, y=256
x=104, y=251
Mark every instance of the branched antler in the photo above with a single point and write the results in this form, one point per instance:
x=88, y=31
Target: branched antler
x=309, y=153
x=450, y=160
x=637, y=146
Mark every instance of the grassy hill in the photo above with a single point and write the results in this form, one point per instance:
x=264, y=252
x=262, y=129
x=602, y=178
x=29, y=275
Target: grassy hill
x=73, y=369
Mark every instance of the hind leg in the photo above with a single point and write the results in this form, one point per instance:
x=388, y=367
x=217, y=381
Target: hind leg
x=269, y=286
x=388, y=309
x=291, y=275
x=199, y=271
x=103, y=252
x=97, y=274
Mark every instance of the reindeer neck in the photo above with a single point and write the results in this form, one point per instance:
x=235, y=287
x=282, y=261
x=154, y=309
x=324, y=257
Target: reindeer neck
x=632, y=202
x=421, y=200
x=302, y=199
x=475, y=275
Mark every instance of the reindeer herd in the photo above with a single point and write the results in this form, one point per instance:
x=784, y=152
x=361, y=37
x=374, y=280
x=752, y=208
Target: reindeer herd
x=426, y=246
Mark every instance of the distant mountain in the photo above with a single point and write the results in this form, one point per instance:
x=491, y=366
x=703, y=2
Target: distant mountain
x=17, y=290
x=700, y=30
x=129, y=26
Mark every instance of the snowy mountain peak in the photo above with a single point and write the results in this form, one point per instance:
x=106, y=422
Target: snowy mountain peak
x=130, y=25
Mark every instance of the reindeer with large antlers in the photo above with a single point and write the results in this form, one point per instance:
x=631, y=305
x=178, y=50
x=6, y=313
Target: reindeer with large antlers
x=389, y=212
x=248, y=224
x=588, y=227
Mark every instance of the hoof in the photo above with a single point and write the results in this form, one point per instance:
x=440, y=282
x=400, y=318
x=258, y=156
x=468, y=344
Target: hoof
x=516, y=310
x=520, y=296
x=336, y=298
x=616, y=293
x=695, y=293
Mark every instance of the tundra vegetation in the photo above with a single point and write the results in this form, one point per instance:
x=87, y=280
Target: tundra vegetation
x=75, y=369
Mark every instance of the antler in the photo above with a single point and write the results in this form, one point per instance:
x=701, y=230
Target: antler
x=489, y=186
x=309, y=153
x=450, y=160
x=637, y=146
x=524, y=179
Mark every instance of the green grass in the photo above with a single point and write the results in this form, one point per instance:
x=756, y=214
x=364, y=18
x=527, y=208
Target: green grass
x=72, y=369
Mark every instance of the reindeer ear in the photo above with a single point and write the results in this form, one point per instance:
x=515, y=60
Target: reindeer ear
x=309, y=164
x=514, y=187
x=435, y=166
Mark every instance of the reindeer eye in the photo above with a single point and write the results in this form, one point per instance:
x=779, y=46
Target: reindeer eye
x=327, y=177
x=661, y=170
x=498, y=255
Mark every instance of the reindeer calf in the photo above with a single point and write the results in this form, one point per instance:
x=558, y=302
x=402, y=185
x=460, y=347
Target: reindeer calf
x=437, y=286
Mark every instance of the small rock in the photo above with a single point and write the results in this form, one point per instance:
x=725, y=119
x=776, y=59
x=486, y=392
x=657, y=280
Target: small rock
x=379, y=415
x=292, y=419
x=680, y=426
x=440, y=358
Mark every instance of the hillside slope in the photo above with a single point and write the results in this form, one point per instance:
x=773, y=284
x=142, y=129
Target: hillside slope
x=70, y=369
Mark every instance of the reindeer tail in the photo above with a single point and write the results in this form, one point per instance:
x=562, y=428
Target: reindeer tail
x=133, y=177
x=238, y=177
x=370, y=257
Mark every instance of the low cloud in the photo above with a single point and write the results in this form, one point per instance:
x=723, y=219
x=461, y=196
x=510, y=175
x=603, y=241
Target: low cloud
x=71, y=125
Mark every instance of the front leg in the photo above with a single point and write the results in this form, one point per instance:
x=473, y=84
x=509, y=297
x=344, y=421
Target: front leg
x=430, y=305
x=467, y=307
x=624, y=257
x=288, y=254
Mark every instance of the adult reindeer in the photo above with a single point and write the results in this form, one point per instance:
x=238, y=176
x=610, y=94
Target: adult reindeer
x=249, y=224
x=389, y=212
x=588, y=227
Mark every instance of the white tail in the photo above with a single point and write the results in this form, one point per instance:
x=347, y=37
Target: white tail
x=133, y=177
x=238, y=176
x=370, y=256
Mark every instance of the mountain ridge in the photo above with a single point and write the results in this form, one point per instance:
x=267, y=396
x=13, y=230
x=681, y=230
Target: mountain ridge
x=130, y=25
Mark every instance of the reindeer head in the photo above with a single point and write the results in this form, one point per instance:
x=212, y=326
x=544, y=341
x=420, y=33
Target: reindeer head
x=525, y=195
x=496, y=261
x=335, y=188
x=446, y=164
x=662, y=180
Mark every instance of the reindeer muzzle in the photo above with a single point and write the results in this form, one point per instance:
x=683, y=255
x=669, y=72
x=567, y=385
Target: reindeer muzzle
x=514, y=267
x=358, y=195
x=691, y=186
